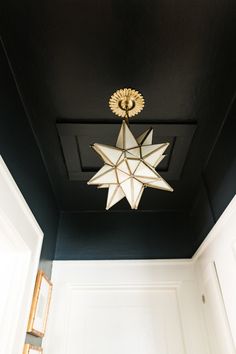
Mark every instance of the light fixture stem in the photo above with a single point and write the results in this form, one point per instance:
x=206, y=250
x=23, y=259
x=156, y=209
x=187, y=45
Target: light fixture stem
x=127, y=117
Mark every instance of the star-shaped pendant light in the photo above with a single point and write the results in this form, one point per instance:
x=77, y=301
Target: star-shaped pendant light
x=129, y=167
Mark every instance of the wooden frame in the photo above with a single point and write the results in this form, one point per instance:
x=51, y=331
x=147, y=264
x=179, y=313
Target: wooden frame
x=40, y=305
x=28, y=348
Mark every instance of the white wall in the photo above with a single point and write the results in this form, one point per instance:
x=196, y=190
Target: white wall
x=113, y=307
x=216, y=268
x=20, y=246
x=167, y=307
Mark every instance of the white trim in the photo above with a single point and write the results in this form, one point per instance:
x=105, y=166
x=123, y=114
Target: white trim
x=127, y=286
x=214, y=231
x=23, y=237
x=167, y=261
x=5, y=173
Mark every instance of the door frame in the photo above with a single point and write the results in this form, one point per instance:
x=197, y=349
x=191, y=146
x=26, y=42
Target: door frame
x=21, y=240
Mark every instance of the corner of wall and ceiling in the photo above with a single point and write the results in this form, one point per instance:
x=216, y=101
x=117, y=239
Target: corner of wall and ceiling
x=27, y=114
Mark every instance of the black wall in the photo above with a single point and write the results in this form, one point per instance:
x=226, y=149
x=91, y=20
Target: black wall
x=20, y=152
x=118, y=235
x=22, y=157
x=218, y=185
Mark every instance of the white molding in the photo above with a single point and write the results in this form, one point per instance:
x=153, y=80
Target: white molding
x=126, y=286
x=165, y=261
x=23, y=237
x=5, y=173
x=231, y=208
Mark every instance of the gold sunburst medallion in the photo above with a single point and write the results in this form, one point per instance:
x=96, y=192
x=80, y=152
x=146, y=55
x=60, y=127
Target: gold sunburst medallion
x=125, y=102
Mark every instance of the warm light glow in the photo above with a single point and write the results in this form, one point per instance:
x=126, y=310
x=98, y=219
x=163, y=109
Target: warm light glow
x=129, y=167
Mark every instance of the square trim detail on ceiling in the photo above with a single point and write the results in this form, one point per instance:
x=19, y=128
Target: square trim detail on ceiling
x=81, y=161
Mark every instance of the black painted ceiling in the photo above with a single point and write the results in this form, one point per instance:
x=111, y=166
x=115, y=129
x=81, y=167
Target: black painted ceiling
x=68, y=57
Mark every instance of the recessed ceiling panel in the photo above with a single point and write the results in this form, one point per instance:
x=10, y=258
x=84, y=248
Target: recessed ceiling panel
x=81, y=161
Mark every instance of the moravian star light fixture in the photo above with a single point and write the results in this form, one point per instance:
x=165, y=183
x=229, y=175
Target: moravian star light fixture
x=129, y=166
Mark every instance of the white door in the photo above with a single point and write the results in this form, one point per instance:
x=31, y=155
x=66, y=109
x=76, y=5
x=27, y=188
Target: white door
x=20, y=246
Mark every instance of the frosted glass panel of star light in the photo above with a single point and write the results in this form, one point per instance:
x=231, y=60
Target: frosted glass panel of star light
x=129, y=167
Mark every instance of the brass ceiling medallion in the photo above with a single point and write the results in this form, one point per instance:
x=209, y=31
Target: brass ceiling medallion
x=126, y=102
x=130, y=166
